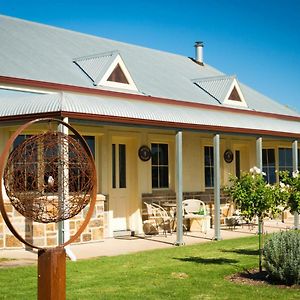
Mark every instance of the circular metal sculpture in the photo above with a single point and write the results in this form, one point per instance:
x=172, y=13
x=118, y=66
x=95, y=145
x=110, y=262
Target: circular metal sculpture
x=49, y=177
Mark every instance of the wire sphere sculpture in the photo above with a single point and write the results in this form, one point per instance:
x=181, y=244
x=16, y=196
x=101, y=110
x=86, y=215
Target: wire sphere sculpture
x=49, y=177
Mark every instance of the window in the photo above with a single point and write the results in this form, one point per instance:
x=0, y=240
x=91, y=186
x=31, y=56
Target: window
x=268, y=161
x=81, y=178
x=234, y=96
x=90, y=140
x=209, y=166
x=285, y=159
x=160, y=166
x=118, y=75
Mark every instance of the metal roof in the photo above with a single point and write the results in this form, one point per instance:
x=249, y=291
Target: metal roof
x=145, y=110
x=44, y=53
x=96, y=65
x=24, y=103
x=217, y=86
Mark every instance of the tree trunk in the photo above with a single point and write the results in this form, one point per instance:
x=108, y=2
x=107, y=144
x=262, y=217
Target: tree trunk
x=260, y=241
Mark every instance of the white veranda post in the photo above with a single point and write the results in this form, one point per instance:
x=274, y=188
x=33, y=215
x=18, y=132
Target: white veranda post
x=217, y=224
x=179, y=191
x=259, y=163
x=63, y=189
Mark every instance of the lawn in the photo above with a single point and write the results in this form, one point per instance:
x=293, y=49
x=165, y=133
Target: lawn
x=189, y=272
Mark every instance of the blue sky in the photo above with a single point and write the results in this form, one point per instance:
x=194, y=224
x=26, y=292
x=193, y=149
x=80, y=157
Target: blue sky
x=259, y=41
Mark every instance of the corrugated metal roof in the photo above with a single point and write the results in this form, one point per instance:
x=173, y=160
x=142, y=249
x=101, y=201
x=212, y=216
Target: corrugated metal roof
x=95, y=66
x=136, y=109
x=217, y=86
x=14, y=104
x=39, y=52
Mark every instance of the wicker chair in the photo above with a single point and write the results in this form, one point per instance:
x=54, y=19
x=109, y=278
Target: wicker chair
x=159, y=217
x=194, y=209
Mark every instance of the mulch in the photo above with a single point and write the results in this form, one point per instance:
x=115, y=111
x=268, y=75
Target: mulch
x=254, y=277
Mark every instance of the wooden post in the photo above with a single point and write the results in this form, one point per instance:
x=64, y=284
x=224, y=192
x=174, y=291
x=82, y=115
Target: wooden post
x=52, y=274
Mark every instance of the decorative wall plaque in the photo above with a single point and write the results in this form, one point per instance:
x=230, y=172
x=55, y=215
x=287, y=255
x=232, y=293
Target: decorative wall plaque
x=144, y=153
x=228, y=156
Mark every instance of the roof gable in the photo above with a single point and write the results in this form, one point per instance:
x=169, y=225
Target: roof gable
x=106, y=69
x=225, y=89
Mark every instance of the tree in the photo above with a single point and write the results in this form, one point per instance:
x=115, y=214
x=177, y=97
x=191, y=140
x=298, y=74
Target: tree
x=291, y=186
x=255, y=198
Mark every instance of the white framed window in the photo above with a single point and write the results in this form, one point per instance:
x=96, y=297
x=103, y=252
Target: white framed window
x=160, y=165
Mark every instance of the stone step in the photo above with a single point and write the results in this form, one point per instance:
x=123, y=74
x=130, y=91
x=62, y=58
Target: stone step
x=120, y=233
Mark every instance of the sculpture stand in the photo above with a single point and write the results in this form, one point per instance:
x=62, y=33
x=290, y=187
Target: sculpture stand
x=42, y=185
x=52, y=274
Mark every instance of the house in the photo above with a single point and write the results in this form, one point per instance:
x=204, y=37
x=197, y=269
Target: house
x=161, y=126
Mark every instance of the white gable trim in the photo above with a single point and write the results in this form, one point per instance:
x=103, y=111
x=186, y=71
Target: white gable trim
x=233, y=85
x=104, y=82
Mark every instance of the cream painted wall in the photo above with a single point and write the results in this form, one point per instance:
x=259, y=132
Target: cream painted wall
x=192, y=163
x=193, y=153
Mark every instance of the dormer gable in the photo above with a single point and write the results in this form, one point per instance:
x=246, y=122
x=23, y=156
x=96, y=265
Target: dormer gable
x=107, y=70
x=225, y=89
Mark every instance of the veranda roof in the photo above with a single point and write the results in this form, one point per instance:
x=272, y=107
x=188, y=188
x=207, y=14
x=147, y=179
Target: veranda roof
x=129, y=111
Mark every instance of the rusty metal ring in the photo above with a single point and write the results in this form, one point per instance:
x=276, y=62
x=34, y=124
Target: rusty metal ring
x=3, y=159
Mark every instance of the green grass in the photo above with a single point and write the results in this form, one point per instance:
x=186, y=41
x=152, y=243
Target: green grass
x=190, y=272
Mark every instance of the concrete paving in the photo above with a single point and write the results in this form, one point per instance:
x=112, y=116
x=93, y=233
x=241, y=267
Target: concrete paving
x=125, y=245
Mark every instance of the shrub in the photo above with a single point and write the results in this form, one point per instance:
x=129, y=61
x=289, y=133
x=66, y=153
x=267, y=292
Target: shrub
x=282, y=257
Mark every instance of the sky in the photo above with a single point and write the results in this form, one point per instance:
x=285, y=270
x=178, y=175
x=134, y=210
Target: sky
x=258, y=41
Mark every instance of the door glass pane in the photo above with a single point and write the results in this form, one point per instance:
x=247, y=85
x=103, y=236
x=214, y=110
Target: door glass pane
x=237, y=164
x=209, y=166
x=113, y=166
x=122, y=166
